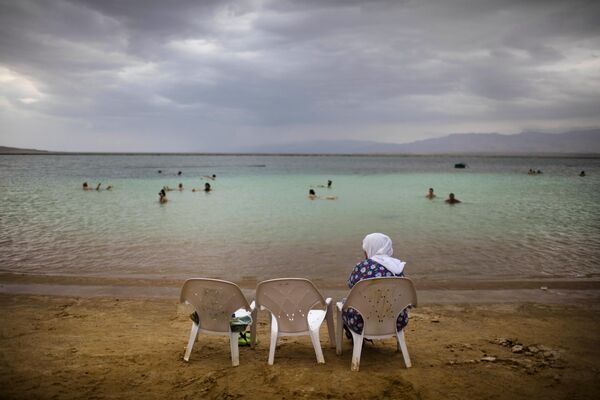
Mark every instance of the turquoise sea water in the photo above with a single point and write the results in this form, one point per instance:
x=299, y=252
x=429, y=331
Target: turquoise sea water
x=258, y=221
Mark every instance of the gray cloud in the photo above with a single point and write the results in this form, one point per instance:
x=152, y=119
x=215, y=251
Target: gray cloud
x=217, y=75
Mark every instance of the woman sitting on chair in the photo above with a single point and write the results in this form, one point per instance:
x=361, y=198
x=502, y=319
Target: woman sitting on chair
x=378, y=263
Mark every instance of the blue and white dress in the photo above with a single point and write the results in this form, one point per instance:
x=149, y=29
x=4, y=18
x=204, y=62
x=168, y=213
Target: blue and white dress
x=364, y=270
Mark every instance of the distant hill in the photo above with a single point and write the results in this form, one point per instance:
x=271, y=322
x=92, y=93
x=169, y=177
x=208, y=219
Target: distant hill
x=14, y=150
x=574, y=142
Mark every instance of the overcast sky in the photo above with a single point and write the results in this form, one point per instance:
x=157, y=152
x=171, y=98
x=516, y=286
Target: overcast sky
x=118, y=75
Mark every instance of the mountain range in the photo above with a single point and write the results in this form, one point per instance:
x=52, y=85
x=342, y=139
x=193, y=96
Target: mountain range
x=573, y=142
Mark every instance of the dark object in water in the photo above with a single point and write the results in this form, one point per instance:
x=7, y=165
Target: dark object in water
x=460, y=165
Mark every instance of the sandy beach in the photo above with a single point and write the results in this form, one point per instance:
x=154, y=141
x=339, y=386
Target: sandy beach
x=98, y=346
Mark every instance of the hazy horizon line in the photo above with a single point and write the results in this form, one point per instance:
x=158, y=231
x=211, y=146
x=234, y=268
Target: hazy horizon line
x=282, y=154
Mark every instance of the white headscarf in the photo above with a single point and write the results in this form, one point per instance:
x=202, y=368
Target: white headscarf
x=379, y=249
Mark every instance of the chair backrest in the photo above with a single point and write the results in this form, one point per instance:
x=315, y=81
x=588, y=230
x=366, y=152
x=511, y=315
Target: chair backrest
x=214, y=300
x=289, y=300
x=380, y=301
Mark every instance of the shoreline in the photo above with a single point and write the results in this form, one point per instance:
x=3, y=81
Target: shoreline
x=250, y=282
x=550, y=291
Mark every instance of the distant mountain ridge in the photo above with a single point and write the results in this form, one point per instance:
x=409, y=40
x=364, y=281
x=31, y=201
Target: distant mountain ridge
x=573, y=142
x=15, y=150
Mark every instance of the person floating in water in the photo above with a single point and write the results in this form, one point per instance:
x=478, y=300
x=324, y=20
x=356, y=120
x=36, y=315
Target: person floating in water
x=452, y=200
x=109, y=187
x=531, y=172
x=162, y=196
x=582, y=173
x=207, y=187
x=86, y=187
x=430, y=195
x=539, y=172
x=160, y=171
x=313, y=196
x=179, y=173
x=211, y=177
x=180, y=187
x=329, y=183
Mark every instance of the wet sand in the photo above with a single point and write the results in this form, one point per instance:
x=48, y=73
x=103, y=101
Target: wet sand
x=126, y=347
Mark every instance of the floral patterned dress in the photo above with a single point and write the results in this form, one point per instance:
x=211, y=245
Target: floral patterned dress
x=364, y=270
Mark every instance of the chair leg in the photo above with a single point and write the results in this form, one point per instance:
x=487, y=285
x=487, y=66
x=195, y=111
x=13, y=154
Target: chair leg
x=274, y=334
x=235, y=350
x=339, y=332
x=358, y=342
x=330, y=327
x=253, y=328
x=314, y=338
x=193, y=336
x=402, y=346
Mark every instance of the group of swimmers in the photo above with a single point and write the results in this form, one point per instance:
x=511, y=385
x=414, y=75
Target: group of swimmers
x=162, y=195
x=313, y=195
x=539, y=172
x=179, y=173
x=87, y=187
x=450, y=200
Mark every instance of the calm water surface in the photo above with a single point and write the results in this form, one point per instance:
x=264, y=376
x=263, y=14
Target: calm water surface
x=258, y=221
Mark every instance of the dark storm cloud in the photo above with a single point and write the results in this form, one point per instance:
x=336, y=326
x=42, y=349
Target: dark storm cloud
x=217, y=75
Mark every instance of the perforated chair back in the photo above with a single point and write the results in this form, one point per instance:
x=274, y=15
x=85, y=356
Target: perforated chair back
x=380, y=301
x=214, y=300
x=289, y=300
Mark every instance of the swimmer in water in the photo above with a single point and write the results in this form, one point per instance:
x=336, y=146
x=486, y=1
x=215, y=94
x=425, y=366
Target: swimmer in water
x=179, y=173
x=86, y=187
x=312, y=195
x=430, y=195
x=109, y=187
x=582, y=173
x=207, y=187
x=98, y=187
x=160, y=171
x=452, y=200
x=323, y=186
x=162, y=196
x=211, y=177
x=180, y=187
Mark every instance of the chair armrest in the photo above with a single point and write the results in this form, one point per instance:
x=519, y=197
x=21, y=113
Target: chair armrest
x=328, y=301
x=339, y=305
x=252, y=305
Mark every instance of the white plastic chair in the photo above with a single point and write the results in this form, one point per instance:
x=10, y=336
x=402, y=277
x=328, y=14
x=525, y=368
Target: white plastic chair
x=297, y=308
x=379, y=301
x=215, y=301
